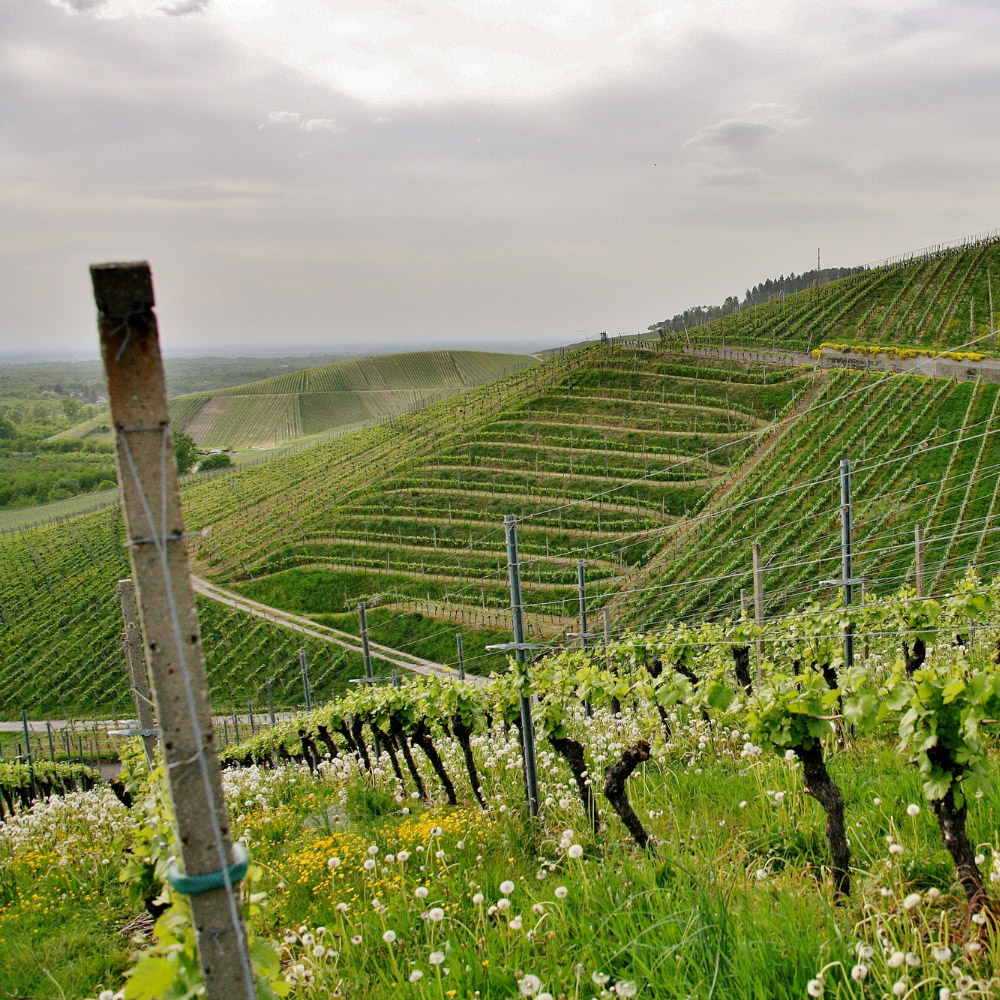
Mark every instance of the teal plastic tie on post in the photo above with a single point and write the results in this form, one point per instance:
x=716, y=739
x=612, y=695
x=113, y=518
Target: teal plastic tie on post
x=194, y=885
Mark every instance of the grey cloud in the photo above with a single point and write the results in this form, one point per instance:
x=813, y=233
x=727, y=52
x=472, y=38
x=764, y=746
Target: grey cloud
x=734, y=135
x=741, y=135
x=181, y=7
x=474, y=219
x=735, y=176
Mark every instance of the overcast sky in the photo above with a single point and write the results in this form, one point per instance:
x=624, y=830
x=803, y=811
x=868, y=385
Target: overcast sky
x=362, y=173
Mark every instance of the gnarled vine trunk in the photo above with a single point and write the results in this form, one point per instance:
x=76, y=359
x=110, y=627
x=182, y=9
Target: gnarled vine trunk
x=387, y=741
x=396, y=728
x=463, y=734
x=572, y=752
x=741, y=665
x=951, y=821
x=915, y=660
x=421, y=735
x=358, y=737
x=327, y=740
x=309, y=750
x=348, y=739
x=826, y=792
x=614, y=790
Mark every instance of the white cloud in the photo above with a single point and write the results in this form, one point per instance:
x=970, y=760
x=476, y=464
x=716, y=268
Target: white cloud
x=78, y=6
x=293, y=119
x=178, y=8
x=321, y=125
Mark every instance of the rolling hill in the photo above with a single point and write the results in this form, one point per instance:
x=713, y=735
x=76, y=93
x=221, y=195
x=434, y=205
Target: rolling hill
x=346, y=394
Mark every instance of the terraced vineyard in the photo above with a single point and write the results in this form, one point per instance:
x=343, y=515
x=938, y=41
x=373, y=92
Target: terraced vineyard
x=607, y=443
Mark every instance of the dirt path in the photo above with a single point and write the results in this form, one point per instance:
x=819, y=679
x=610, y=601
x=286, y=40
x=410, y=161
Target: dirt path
x=305, y=626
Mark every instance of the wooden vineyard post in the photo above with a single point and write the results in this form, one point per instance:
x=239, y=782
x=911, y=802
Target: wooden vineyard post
x=137, y=669
x=147, y=477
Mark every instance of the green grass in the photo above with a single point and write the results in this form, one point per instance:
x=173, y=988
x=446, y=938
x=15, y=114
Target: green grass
x=735, y=902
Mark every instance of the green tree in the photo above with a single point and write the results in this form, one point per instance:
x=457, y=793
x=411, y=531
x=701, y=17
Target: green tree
x=220, y=460
x=72, y=408
x=186, y=451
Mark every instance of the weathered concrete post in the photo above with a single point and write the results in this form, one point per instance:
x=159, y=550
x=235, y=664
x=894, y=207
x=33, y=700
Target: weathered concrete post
x=147, y=477
x=137, y=669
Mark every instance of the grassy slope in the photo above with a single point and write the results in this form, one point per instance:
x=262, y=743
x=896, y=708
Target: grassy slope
x=739, y=860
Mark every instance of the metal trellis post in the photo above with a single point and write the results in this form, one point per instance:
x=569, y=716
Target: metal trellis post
x=581, y=584
x=517, y=613
x=758, y=604
x=846, y=555
x=304, y=670
x=918, y=545
x=366, y=648
x=137, y=669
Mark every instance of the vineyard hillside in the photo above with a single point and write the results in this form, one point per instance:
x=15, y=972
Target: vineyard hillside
x=341, y=396
x=939, y=300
